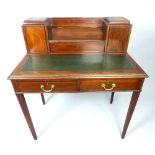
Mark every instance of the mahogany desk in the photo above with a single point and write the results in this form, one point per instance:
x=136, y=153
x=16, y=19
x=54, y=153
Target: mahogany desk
x=77, y=55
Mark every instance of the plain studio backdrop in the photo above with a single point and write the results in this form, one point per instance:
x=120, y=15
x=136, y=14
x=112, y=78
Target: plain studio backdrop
x=83, y=123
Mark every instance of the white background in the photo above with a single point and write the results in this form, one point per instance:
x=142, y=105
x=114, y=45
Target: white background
x=77, y=123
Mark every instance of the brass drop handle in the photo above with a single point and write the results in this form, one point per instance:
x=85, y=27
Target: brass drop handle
x=112, y=86
x=47, y=91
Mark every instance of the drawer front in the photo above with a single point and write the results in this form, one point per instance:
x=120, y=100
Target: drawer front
x=110, y=84
x=76, y=46
x=46, y=86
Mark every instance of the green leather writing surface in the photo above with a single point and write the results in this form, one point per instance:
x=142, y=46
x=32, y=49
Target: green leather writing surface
x=94, y=62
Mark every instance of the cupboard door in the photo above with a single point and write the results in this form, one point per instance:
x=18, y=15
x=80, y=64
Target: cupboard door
x=35, y=39
x=118, y=38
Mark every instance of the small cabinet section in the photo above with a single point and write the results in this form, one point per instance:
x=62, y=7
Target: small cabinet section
x=35, y=37
x=118, y=33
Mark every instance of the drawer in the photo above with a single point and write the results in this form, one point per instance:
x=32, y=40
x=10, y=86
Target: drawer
x=76, y=46
x=46, y=86
x=110, y=84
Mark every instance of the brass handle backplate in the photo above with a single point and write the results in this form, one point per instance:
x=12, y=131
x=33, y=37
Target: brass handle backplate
x=47, y=91
x=112, y=86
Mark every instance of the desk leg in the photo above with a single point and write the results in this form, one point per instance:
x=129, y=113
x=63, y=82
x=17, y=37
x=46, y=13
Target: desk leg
x=43, y=98
x=132, y=106
x=112, y=97
x=26, y=113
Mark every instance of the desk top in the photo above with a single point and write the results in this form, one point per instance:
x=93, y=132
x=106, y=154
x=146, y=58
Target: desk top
x=77, y=66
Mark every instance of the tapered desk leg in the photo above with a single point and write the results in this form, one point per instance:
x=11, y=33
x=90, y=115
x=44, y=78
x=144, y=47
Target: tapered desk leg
x=26, y=113
x=112, y=97
x=132, y=106
x=43, y=98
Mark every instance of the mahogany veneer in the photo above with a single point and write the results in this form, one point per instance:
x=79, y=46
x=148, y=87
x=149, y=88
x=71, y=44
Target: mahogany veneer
x=77, y=55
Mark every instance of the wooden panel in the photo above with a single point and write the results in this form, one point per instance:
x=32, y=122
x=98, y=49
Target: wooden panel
x=35, y=39
x=75, y=33
x=76, y=46
x=121, y=84
x=34, y=86
x=74, y=22
x=118, y=38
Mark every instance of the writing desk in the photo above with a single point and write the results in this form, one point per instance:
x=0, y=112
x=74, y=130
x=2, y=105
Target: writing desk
x=65, y=71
